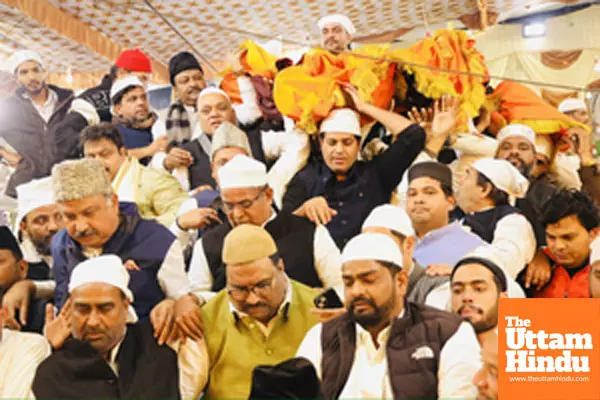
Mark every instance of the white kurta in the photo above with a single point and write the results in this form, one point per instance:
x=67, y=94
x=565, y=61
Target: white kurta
x=369, y=377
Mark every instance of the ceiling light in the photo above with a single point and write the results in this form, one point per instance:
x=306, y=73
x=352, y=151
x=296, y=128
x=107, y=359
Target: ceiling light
x=534, y=29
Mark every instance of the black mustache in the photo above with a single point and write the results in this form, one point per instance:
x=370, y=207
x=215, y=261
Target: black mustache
x=362, y=299
x=86, y=233
x=460, y=310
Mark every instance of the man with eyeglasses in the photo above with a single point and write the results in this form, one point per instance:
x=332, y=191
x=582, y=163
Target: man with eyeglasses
x=310, y=254
x=261, y=317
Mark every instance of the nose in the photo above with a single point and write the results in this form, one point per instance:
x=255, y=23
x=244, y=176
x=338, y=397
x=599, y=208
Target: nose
x=478, y=380
x=355, y=291
x=52, y=225
x=252, y=299
x=81, y=225
x=467, y=296
x=93, y=319
x=559, y=245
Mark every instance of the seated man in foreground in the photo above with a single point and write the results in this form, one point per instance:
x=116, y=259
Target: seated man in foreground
x=100, y=351
x=385, y=347
x=259, y=319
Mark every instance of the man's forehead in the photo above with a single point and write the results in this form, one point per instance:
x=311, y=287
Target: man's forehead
x=472, y=273
x=565, y=226
x=43, y=210
x=423, y=182
x=137, y=91
x=30, y=64
x=516, y=141
x=360, y=267
x=96, y=293
x=83, y=203
x=212, y=99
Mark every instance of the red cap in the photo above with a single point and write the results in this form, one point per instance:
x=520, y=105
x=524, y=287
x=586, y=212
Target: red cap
x=134, y=60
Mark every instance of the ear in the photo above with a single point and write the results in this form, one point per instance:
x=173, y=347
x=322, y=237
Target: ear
x=503, y=295
x=269, y=194
x=23, y=269
x=115, y=201
x=117, y=109
x=451, y=203
x=409, y=245
x=280, y=265
x=23, y=224
x=402, y=282
x=123, y=151
x=487, y=190
x=594, y=233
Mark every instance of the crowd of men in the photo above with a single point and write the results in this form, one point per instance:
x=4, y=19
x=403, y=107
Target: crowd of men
x=212, y=250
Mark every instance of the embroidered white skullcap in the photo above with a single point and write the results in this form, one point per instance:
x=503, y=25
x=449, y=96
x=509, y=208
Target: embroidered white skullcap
x=595, y=246
x=337, y=19
x=213, y=90
x=130, y=81
x=21, y=56
x=242, y=172
x=31, y=195
x=372, y=246
x=516, y=130
x=503, y=176
x=229, y=135
x=342, y=120
x=108, y=269
x=571, y=104
x=390, y=217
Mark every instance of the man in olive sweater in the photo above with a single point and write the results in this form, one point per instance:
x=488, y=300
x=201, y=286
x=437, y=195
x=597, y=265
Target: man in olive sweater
x=262, y=314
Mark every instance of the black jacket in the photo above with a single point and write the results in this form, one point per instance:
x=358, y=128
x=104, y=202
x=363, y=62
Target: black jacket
x=78, y=371
x=34, y=139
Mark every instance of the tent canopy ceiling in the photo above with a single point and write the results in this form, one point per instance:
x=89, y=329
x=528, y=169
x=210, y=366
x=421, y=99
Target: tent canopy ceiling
x=86, y=35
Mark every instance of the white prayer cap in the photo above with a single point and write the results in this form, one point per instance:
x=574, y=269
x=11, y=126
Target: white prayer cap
x=229, y=135
x=503, y=176
x=372, y=246
x=516, y=130
x=571, y=104
x=130, y=81
x=108, y=269
x=242, y=172
x=595, y=246
x=213, y=90
x=390, y=217
x=31, y=195
x=342, y=120
x=337, y=19
x=21, y=56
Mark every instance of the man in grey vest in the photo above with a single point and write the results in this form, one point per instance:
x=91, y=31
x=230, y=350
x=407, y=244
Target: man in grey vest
x=374, y=350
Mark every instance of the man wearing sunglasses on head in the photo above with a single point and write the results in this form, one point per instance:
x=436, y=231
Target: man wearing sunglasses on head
x=308, y=251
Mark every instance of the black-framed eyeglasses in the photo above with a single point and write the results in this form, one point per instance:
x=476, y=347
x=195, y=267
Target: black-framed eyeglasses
x=261, y=289
x=244, y=205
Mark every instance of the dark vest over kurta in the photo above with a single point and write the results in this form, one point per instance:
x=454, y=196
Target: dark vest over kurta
x=78, y=371
x=484, y=223
x=294, y=237
x=409, y=378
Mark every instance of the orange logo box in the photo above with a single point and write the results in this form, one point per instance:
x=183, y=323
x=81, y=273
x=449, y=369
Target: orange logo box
x=549, y=349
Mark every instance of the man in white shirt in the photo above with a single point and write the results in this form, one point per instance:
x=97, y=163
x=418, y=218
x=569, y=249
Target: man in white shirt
x=376, y=349
x=310, y=255
x=485, y=195
x=20, y=355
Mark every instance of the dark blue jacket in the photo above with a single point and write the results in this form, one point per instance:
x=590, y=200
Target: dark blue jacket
x=367, y=184
x=143, y=241
x=136, y=138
